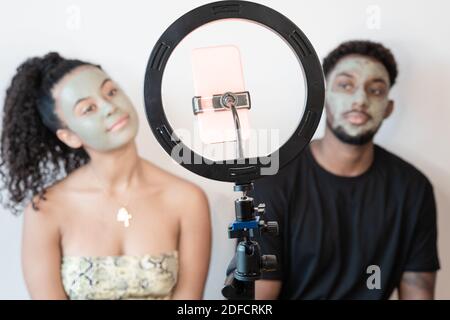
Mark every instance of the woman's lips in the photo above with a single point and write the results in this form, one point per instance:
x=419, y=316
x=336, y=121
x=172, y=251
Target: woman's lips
x=357, y=117
x=119, y=124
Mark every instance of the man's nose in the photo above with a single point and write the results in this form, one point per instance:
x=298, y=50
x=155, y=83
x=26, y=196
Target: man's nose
x=360, y=100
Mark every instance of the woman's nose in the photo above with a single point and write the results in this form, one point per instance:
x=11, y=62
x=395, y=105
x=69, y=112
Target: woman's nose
x=108, y=109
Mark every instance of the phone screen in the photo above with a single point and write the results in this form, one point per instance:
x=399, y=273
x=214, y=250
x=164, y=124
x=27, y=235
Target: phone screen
x=217, y=70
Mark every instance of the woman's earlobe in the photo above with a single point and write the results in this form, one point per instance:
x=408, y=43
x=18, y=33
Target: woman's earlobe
x=69, y=138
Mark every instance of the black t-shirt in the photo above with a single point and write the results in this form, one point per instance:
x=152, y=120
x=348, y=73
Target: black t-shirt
x=333, y=228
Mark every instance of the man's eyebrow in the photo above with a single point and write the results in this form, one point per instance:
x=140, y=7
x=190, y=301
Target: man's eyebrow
x=105, y=81
x=344, y=74
x=379, y=80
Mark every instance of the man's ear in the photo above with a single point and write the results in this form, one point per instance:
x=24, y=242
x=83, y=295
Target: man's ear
x=69, y=138
x=389, y=109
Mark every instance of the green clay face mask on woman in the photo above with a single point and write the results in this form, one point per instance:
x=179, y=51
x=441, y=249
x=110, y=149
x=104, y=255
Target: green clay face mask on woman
x=95, y=109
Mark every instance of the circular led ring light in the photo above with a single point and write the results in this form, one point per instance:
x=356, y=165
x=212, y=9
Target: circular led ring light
x=249, y=169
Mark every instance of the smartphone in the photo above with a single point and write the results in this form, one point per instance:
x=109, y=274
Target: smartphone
x=217, y=70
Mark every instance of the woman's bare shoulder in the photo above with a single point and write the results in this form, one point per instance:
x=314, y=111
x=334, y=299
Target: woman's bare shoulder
x=50, y=202
x=40, y=210
x=173, y=187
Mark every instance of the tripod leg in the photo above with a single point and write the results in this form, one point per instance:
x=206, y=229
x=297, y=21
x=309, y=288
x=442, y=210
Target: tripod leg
x=238, y=290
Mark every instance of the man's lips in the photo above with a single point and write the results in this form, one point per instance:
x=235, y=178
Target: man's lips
x=119, y=123
x=357, y=117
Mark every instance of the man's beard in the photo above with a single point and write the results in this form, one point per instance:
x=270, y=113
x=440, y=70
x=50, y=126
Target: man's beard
x=358, y=140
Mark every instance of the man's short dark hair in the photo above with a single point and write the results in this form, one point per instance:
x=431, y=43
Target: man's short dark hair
x=365, y=48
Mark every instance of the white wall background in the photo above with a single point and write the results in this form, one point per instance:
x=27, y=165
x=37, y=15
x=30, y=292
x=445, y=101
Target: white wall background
x=120, y=35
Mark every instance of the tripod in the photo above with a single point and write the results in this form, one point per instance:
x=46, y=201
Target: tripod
x=248, y=263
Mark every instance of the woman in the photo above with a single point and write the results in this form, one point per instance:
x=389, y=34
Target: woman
x=100, y=222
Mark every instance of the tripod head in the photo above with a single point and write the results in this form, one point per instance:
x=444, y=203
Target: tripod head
x=248, y=263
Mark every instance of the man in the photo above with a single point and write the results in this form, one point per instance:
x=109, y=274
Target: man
x=356, y=221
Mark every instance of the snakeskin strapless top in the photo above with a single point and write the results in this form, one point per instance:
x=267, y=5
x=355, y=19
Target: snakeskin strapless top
x=120, y=277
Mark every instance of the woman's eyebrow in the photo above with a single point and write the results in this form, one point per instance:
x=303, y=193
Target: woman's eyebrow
x=78, y=101
x=104, y=82
x=81, y=99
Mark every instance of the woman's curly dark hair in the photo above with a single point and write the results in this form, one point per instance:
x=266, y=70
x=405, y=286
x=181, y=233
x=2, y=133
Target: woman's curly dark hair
x=371, y=49
x=31, y=157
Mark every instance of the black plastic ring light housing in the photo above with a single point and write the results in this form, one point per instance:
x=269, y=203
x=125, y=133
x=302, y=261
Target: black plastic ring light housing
x=238, y=171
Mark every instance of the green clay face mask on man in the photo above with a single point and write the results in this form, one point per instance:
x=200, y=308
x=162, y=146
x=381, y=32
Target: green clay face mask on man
x=95, y=109
x=357, y=96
